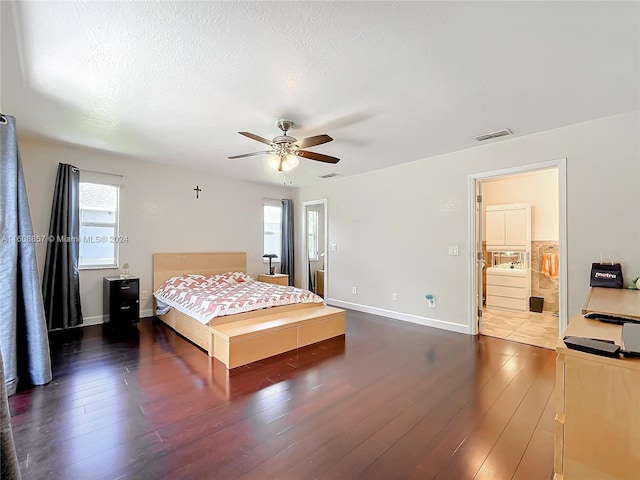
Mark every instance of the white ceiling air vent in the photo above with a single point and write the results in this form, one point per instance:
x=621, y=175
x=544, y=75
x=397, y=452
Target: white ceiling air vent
x=496, y=134
x=329, y=175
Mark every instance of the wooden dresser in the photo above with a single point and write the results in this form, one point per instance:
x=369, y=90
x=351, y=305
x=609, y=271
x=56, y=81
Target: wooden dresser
x=597, y=423
x=320, y=283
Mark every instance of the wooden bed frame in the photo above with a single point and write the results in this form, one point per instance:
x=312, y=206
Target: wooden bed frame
x=243, y=338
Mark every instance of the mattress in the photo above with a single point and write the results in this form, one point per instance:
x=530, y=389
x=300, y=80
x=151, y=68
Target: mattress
x=205, y=298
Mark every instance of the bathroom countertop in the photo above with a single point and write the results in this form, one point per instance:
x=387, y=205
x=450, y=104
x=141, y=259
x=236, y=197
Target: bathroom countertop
x=507, y=271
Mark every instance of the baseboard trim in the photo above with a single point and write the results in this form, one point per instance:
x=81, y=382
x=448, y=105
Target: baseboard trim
x=89, y=321
x=406, y=317
x=99, y=319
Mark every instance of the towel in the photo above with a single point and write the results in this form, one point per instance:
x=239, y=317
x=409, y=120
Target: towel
x=550, y=265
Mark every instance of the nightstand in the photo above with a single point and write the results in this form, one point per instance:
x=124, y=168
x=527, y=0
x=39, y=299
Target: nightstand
x=120, y=302
x=277, y=278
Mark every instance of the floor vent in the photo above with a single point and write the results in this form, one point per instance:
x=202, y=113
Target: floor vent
x=496, y=134
x=329, y=175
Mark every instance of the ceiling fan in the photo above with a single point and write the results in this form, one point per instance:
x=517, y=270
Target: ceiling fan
x=285, y=149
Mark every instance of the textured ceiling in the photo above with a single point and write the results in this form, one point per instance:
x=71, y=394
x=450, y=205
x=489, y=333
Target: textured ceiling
x=391, y=82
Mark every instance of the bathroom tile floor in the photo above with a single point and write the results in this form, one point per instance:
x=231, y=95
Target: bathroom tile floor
x=538, y=329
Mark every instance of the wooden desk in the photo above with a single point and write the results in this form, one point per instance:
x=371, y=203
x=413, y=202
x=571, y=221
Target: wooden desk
x=614, y=301
x=597, y=424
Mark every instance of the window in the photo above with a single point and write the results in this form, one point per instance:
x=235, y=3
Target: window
x=98, y=225
x=312, y=234
x=273, y=228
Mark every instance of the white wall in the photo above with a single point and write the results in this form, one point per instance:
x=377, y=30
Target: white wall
x=392, y=227
x=539, y=189
x=158, y=213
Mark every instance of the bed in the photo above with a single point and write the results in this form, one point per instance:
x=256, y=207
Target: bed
x=243, y=338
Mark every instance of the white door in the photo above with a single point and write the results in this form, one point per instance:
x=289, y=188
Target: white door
x=479, y=254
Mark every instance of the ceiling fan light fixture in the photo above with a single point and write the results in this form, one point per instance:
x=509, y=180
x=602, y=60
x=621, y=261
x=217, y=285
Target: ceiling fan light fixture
x=283, y=162
x=274, y=162
x=291, y=161
x=286, y=150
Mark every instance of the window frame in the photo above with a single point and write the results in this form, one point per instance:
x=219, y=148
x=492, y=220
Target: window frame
x=316, y=256
x=115, y=225
x=274, y=204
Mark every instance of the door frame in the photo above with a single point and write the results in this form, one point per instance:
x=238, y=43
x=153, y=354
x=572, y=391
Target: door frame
x=305, y=256
x=476, y=288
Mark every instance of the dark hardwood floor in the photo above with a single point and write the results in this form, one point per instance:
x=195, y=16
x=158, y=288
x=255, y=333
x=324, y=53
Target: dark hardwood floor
x=391, y=400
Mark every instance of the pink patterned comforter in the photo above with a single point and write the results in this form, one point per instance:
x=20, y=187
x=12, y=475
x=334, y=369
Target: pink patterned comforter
x=205, y=298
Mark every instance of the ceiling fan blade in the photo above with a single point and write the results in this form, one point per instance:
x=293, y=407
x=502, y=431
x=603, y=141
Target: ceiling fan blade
x=317, y=156
x=313, y=141
x=256, y=137
x=267, y=152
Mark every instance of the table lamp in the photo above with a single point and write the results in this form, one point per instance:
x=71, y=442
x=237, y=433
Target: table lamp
x=270, y=256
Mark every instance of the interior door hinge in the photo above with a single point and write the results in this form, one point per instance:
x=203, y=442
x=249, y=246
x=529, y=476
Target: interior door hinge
x=479, y=256
x=479, y=312
x=479, y=198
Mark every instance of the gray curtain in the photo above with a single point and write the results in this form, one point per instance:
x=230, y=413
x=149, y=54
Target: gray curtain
x=61, y=283
x=286, y=262
x=23, y=332
x=9, y=467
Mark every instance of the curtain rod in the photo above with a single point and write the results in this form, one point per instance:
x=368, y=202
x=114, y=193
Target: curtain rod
x=96, y=171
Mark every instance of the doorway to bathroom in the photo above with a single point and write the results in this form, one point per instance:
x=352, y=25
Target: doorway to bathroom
x=315, y=242
x=519, y=263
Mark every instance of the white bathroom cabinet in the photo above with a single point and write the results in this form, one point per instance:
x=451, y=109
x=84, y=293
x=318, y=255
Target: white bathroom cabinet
x=508, y=227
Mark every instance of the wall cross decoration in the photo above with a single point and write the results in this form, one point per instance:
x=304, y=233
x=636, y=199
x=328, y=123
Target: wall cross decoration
x=197, y=190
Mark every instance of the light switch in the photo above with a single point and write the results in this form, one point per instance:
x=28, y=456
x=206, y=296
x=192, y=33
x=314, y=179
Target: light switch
x=334, y=247
x=453, y=249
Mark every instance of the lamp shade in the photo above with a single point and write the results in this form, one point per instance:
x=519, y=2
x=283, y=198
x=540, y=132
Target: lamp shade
x=274, y=162
x=270, y=256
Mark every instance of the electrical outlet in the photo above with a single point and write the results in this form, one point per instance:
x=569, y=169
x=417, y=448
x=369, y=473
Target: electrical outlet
x=394, y=297
x=145, y=295
x=431, y=300
x=354, y=290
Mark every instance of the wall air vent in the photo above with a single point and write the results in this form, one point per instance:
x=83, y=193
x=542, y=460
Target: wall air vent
x=496, y=134
x=329, y=175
